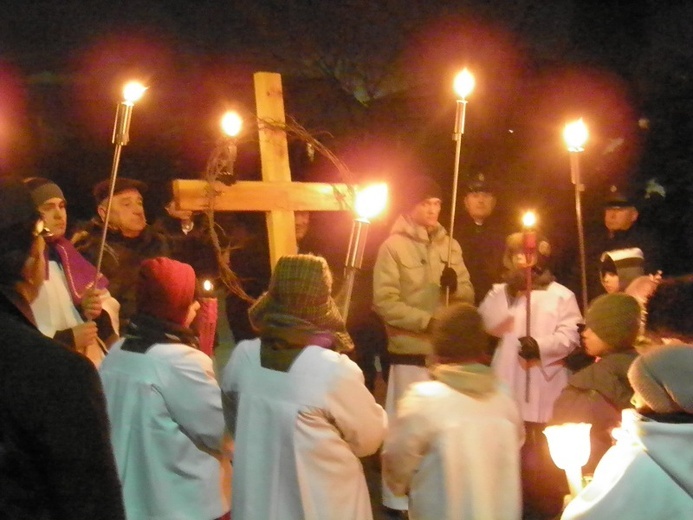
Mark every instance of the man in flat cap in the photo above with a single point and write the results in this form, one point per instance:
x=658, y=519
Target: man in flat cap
x=621, y=231
x=129, y=241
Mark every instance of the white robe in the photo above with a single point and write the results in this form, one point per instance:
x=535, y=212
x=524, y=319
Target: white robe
x=298, y=436
x=54, y=309
x=457, y=457
x=168, y=434
x=554, y=318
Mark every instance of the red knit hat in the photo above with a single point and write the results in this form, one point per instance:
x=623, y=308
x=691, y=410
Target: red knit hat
x=165, y=289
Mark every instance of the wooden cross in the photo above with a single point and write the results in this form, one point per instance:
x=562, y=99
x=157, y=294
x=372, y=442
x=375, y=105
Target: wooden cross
x=276, y=194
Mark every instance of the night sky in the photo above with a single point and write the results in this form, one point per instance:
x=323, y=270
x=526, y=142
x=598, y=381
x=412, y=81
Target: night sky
x=373, y=82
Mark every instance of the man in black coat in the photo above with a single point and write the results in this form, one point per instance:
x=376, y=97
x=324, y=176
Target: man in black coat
x=481, y=235
x=56, y=460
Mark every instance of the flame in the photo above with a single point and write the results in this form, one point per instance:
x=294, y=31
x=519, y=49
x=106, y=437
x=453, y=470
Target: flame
x=529, y=219
x=133, y=91
x=575, y=135
x=208, y=286
x=231, y=124
x=464, y=84
x=371, y=200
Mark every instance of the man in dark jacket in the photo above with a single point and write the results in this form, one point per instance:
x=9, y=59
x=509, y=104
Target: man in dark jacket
x=129, y=241
x=55, y=452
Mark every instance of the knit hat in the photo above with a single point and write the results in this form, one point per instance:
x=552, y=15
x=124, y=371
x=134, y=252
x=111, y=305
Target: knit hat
x=458, y=333
x=165, y=289
x=627, y=264
x=43, y=189
x=662, y=377
x=122, y=184
x=18, y=217
x=514, y=244
x=418, y=189
x=300, y=286
x=615, y=318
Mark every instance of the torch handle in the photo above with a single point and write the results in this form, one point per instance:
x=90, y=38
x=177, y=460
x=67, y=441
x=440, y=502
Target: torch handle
x=528, y=320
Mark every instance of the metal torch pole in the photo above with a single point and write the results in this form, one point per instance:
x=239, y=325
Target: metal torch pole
x=579, y=188
x=460, y=116
x=354, y=260
x=121, y=137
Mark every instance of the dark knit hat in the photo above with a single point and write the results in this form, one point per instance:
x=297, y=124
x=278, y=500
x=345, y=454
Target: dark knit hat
x=418, y=189
x=458, y=333
x=18, y=217
x=301, y=286
x=122, y=184
x=628, y=264
x=514, y=244
x=662, y=377
x=165, y=289
x=615, y=318
x=43, y=189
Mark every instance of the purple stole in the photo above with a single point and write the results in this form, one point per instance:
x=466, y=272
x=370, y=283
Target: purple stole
x=78, y=271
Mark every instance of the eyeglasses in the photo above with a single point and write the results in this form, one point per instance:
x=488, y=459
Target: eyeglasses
x=40, y=229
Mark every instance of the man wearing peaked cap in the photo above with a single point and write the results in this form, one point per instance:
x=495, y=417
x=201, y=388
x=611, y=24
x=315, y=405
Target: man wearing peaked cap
x=411, y=277
x=56, y=458
x=129, y=241
x=480, y=234
x=622, y=230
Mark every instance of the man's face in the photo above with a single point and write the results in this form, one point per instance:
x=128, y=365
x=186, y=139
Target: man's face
x=54, y=215
x=127, y=213
x=426, y=213
x=620, y=219
x=302, y=219
x=479, y=205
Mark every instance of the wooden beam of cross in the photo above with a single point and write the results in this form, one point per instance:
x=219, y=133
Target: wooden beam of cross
x=276, y=194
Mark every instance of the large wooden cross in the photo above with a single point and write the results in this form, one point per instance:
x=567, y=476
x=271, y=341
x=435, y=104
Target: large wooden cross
x=276, y=194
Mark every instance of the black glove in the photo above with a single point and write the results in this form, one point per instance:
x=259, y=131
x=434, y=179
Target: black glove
x=529, y=348
x=449, y=279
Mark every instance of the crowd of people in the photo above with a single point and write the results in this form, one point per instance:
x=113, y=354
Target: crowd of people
x=110, y=408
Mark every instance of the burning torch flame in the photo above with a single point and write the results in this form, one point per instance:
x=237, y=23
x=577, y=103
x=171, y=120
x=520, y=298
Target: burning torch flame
x=231, y=124
x=464, y=84
x=575, y=135
x=371, y=201
x=133, y=91
x=529, y=219
x=208, y=286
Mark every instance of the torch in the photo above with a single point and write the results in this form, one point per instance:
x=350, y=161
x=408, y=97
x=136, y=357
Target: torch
x=529, y=249
x=569, y=445
x=121, y=136
x=575, y=136
x=221, y=162
x=368, y=204
x=205, y=323
x=463, y=85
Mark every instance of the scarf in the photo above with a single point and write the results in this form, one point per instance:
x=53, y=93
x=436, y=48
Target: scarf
x=283, y=338
x=144, y=331
x=474, y=379
x=79, y=273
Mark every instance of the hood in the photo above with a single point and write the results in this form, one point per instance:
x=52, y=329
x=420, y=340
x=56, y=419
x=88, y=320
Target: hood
x=404, y=226
x=668, y=444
